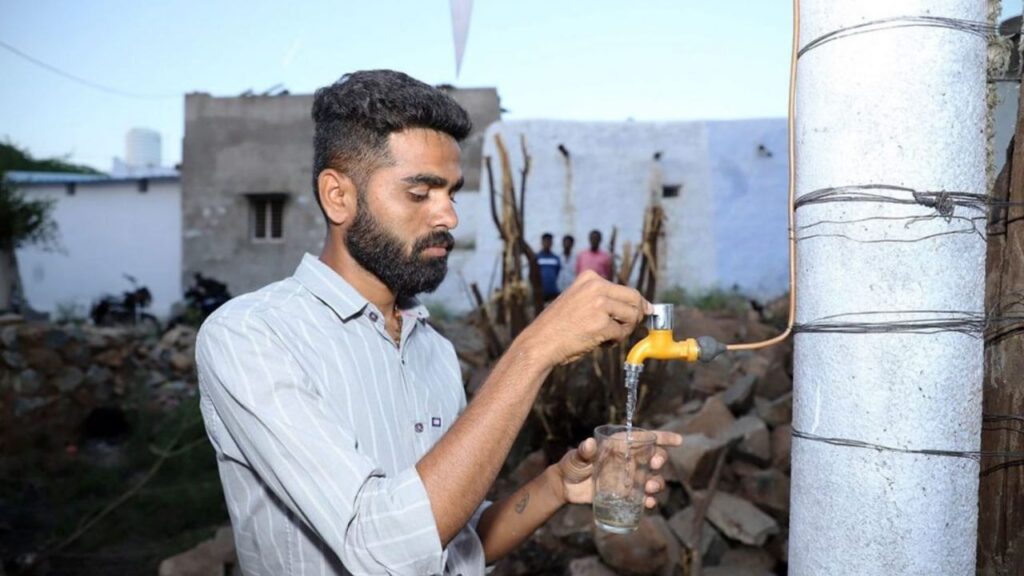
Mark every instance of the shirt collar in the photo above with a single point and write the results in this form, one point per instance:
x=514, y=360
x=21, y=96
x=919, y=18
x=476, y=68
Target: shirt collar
x=331, y=288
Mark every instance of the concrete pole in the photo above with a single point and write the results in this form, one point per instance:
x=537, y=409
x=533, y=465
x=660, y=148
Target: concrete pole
x=906, y=107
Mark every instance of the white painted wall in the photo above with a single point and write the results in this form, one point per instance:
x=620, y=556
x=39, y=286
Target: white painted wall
x=727, y=227
x=106, y=230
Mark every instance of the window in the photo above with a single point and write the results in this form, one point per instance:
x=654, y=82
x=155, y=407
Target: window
x=266, y=217
x=671, y=190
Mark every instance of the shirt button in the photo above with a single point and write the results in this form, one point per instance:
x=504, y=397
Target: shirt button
x=373, y=316
x=419, y=426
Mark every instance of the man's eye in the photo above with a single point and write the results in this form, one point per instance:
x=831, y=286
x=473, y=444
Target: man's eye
x=419, y=195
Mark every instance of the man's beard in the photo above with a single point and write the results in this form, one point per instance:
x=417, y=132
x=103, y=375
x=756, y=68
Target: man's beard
x=382, y=254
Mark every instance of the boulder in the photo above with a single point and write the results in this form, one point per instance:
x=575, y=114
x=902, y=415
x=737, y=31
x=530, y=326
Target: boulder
x=768, y=489
x=694, y=460
x=589, y=566
x=752, y=364
x=69, y=378
x=710, y=544
x=23, y=406
x=111, y=358
x=775, y=412
x=782, y=443
x=775, y=382
x=739, y=396
x=740, y=520
x=754, y=439
x=743, y=561
x=13, y=360
x=182, y=362
x=9, y=337
x=28, y=382
x=642, y=552
x=45, y=360
x=714, y=420
x=209, y=558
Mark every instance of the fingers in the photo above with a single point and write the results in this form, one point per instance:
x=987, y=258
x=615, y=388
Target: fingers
x=587, y=450
x=654, y=485
x=665, y=438
x=629, y=296
x=624, y=312
x=659, y=458
x=577, y=464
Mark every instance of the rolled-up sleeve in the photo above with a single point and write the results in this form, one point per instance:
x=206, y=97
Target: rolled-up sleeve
x=267, y=407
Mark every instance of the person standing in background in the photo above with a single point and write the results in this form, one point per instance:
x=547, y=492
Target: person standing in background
x=550, y=266
x=568, y=273
x=595, y=259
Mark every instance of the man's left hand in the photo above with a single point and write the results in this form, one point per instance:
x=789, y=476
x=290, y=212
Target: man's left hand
x=572, y=474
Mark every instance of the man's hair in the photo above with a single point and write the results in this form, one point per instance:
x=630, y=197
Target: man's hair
x=547, y=236
x=354, y=117
x=568, y=237
x=595, y=231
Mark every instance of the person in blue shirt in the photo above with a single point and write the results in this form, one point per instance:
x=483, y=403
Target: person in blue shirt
x=550, y=265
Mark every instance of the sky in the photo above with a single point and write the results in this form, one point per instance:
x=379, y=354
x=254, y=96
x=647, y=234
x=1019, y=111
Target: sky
x=571, y=59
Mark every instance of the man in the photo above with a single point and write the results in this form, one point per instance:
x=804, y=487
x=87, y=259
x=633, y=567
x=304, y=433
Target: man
x=595, y=259
x=342, y=434
x=550, y=266
x=568, y=272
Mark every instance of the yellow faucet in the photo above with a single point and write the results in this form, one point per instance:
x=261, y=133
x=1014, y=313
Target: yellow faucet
x=658, y=343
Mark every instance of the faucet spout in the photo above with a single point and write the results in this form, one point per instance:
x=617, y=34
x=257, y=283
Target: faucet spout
x=658, y=344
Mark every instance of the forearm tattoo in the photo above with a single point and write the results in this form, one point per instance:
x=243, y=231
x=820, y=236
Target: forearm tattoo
x=521, y=504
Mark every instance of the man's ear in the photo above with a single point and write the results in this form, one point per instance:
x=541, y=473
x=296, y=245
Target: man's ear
x=337, y=196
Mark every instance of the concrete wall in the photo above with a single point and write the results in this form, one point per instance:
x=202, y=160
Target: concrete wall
x=727, y=226
x=106, y=230
x=239, y=146
x=250, y=145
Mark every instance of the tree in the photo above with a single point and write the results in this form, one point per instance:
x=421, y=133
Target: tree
x=24, y=221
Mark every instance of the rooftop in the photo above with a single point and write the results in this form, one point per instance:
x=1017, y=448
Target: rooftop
x=23, y=177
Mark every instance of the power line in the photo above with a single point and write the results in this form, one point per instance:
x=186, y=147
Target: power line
x=80, y=80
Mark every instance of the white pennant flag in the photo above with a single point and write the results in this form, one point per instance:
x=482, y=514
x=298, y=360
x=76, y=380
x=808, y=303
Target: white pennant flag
x=461, y=11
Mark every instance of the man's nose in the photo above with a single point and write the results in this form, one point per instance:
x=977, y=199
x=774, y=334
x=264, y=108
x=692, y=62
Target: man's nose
x=444, y=214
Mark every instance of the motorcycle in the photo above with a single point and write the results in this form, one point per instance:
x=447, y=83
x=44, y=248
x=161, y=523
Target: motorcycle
x=203, y=297
x=129, y=308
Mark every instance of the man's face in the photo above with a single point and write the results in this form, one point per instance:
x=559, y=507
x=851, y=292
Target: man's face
x=400, y=232
x=595, y=241
x=545, y=243
x=567, y=244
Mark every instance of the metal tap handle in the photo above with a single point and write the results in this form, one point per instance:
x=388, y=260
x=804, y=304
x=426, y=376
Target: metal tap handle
x=661, y=318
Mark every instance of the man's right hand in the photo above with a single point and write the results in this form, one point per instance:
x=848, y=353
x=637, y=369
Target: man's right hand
x=591, y=312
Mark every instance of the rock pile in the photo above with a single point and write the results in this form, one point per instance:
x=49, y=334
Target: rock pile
x=57, y=374
x=726, y=508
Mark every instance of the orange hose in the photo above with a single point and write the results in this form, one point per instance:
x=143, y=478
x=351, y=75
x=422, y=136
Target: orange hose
x=792, y=195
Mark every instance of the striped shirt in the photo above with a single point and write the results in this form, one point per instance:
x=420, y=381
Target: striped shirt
x=318, y=419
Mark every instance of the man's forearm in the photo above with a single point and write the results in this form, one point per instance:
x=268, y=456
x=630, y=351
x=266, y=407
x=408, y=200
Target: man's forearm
x=460, y=468
x=510, y=521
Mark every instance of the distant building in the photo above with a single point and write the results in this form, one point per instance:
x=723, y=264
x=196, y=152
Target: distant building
x=107, y=227
x=247, y=195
